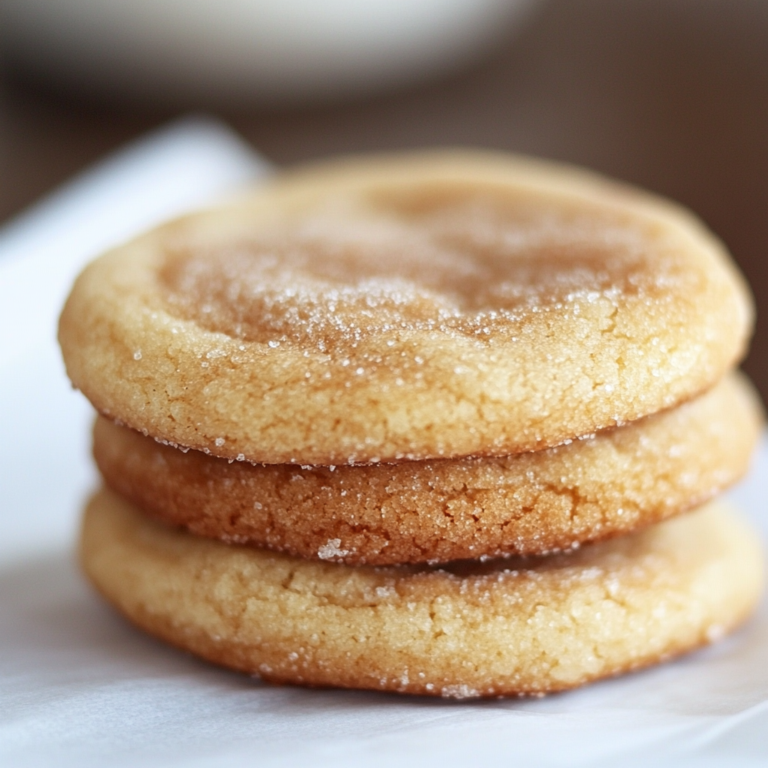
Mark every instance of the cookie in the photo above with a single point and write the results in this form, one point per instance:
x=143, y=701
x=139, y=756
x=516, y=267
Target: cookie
x=518, y=626
x=448, y=509
x=440, y=305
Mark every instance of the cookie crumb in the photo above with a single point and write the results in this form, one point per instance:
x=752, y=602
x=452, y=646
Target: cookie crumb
x=331, y=550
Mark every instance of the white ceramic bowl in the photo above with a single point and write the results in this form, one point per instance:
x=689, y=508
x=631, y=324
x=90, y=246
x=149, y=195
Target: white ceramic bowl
x=225, y=51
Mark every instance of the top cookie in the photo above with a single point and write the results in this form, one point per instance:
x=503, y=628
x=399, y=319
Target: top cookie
x=435, y=305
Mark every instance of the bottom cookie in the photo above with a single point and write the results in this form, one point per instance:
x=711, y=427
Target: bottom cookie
x=468, y=629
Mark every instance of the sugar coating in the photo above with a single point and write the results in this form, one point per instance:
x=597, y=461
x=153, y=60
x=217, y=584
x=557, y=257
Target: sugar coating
x=431, y=306
x=462, y=630
x=442, y=510
x=468, y=262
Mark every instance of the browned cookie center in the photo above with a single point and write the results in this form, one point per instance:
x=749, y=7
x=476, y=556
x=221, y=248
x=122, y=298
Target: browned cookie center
x=450, y=258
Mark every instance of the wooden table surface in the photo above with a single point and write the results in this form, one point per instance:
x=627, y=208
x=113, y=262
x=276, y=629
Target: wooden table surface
x=668, y=94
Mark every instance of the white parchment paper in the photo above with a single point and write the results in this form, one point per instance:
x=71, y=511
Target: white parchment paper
x=79, y=687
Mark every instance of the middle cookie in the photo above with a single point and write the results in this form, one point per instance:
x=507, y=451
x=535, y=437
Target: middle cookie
x=442, y=510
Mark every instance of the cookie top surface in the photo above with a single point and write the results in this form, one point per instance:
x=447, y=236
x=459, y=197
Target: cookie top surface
x=438, y=510
x=445, y=304
x=468, y=629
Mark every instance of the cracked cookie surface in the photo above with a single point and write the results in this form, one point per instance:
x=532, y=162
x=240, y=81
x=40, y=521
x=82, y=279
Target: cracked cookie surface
x=449, y=509
x=429, y=306
x=516, y=626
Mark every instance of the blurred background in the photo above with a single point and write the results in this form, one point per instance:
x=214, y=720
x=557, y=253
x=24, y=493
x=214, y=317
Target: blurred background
x=671, y=95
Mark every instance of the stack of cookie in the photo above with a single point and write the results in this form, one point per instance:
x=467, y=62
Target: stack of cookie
x=423, y=424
